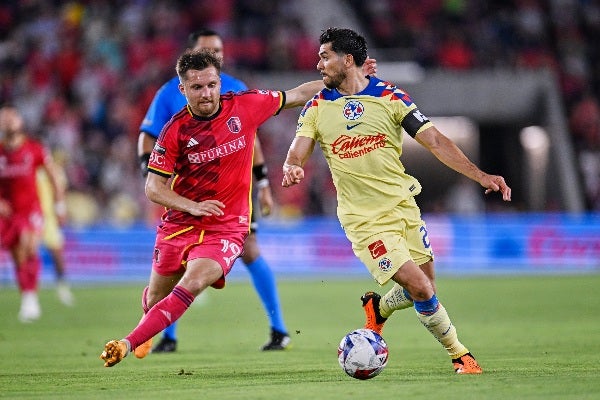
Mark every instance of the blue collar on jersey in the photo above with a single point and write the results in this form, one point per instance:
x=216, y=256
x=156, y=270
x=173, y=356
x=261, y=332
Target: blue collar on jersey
x=371, y=89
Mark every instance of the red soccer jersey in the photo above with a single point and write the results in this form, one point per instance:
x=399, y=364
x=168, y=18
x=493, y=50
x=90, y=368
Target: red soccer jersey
x=211, y=158
x=18, y=175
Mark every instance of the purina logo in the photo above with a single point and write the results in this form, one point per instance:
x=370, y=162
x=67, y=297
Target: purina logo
x=353, y=110
x=234, y=124
x=193, y=142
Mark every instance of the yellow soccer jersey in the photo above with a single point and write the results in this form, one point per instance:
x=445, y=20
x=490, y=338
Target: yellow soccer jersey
x=361, y=138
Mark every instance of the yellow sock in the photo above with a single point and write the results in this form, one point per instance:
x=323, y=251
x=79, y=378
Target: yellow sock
x=443, y=330
x=394, y=300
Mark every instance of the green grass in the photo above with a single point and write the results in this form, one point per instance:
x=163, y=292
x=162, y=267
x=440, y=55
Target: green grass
x=535, y=337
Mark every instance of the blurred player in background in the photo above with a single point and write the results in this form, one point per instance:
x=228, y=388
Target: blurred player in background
x=55, y=214
x=200, y=170
x=358, y=122
x=21, y=219
x=167, y=102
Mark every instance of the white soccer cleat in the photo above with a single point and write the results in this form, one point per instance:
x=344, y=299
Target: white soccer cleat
x=64, y=294
x=30, y=307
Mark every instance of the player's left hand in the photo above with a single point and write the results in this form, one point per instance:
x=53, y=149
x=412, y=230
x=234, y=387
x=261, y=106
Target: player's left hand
x=496, y=183
x=292, y=175
x=60, y=208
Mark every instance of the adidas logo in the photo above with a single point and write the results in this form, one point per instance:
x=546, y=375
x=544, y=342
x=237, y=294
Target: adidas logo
x=192, y=142
x=167, y=315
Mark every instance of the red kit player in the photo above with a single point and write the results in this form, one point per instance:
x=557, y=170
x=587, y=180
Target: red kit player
x=21, y=219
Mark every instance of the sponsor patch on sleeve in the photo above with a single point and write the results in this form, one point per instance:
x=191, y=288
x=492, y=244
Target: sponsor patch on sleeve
x=159, y=149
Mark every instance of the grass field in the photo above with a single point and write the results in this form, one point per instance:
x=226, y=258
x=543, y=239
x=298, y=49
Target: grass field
x=535, y=337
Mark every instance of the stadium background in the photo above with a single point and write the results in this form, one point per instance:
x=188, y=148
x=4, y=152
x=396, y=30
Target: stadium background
x=515, y=83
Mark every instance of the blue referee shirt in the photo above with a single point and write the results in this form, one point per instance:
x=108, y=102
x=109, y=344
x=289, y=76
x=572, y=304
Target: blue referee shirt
x=169, y=100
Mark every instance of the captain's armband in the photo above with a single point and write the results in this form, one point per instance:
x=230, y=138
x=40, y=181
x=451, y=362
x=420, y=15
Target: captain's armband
x=413, y=121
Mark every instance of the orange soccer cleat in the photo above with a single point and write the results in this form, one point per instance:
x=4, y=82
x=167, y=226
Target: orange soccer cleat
x=114, y=352
x=466, y=365
x=375, y=321
x=143, y=349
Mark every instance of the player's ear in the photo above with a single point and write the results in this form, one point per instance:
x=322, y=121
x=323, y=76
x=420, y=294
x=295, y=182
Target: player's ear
x=349, y=60
x=181, y=89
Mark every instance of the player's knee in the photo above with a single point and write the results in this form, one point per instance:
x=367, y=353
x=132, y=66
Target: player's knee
x=251, y=250
x=151, y=299
x=420, y=289
x=421, y=294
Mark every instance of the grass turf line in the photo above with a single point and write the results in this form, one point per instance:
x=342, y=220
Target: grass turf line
x=535, y=337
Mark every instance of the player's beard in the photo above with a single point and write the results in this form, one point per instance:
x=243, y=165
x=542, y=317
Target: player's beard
x=205, y=108
x=334, y=81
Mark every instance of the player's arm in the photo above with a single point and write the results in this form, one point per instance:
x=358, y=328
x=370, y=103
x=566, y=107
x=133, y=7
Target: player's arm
x=5, y=208
x=299, y=95
x=447, y=152
x=58, y=187
x=144, y=149
x=259, y=170
x=158, y=190
x=158, y=114
x=298, y=153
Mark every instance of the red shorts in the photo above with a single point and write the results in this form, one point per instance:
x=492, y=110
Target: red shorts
x=177, y=244
x=12, y=226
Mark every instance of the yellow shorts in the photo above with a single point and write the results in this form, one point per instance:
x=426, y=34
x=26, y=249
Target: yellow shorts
x=388, y=247
x=52, y=236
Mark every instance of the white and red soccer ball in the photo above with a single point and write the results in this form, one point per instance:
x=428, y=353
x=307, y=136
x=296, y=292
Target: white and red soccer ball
x=363, y=354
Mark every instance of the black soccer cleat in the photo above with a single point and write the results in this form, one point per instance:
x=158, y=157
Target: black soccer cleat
x=166, y=345
x=279, y=341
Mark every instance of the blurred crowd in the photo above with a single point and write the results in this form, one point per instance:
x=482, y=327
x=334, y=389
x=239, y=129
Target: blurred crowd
x=84, y=72
x=561, y=35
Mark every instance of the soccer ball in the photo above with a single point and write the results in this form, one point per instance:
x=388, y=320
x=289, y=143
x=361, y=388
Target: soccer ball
x=363, y=354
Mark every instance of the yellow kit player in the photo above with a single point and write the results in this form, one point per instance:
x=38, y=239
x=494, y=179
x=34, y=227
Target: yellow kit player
x=358, y=121
x=54, y=214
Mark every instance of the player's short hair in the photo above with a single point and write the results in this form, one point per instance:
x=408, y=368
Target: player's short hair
x=346, y=41
x=193, y=37
x=197, y=60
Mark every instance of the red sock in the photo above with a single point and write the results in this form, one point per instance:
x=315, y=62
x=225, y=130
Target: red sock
x=163, y=314
x=28, y=274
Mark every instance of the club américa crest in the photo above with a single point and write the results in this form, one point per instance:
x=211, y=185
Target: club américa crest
x=353, y=110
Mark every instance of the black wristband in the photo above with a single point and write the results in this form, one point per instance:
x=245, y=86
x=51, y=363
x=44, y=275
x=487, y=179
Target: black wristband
x=144, y=160
x=260, y=172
